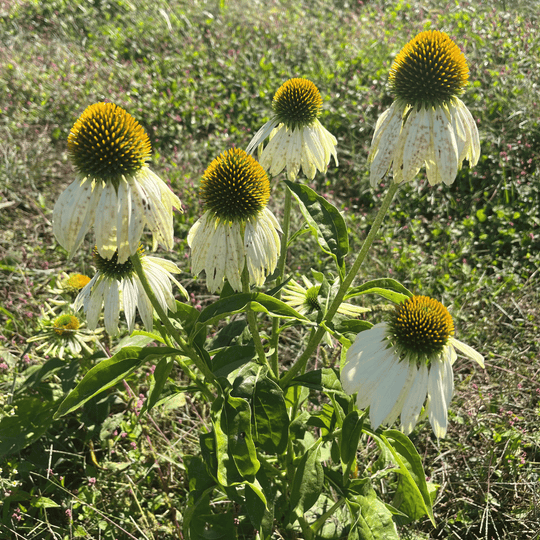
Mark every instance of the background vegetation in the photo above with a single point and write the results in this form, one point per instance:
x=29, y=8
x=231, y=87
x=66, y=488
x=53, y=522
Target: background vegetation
x=200, y=76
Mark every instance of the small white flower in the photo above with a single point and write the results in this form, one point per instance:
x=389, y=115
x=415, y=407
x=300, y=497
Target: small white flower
x=116, y=286
x=306, y=299
x=61, y=334
x=394, y=366
x=297, y=138
x=114, y=191
x=427, y=124
x=237, y=230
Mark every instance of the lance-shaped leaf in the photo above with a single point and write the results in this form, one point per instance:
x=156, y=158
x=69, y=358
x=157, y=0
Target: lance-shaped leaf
x=326, y=222
x=325, y=379
x=235, y=449
x=270, y=418
x=386, y=287
x=370, y=519
x=308, y=481
x=412, y=496
x=109, y=372
x=351, y=432
x=241, y=302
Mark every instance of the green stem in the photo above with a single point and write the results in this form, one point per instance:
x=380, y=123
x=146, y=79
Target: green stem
x=344, y=287
x=322, y=520
x=274, y=360
x=187, y=350
x=252, y=322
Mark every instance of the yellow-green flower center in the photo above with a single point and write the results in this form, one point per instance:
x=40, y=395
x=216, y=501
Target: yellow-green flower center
x=297, y=103
x=429, y=71
x=420, y=327
x=112, y=269
x=234, y=186
x=65, y=325
x=76, y=282
x=107, y=143
x=312, y=298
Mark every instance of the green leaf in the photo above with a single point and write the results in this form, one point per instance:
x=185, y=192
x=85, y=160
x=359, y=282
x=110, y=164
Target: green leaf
x=235, y=449
x=270, y=418
x=308, y=481
x=387, y=288
x=44, y=502
x=239, y=303
x=325, y=221
x=232, y=358
x=200, y=523
x=370, y=519
x=324, y=379
x=412, y=496
x=260, y=510
x=31, y=420
x=351, y=432
x=109, y=372
x=159, y=378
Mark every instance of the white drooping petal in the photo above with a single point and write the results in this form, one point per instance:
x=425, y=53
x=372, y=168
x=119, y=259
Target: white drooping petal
x=403, y=393
x=469, y=352
x=306, y=148
x=262, y=244
x=94, y=301
x=105, y=225
x=388, y=392
x=129, y=301
x=123, y=215
x=89, y=215
x=261, y=135
x=111, y=302
x=412, y=406
x=294, y=154
x=445, y=151
x=383, y=145
x=471, y=132
x=74, y=212
x=437, y=390
x=374, y=375
x=144, y=305
x=217, y=247
x=440, y=137
x=416, y=139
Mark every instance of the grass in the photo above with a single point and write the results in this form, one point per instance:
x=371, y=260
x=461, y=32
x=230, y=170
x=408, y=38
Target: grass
x=200, y=77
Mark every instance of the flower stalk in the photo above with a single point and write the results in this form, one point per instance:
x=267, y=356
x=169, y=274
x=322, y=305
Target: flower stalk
x=186, y=348
x=316, y=337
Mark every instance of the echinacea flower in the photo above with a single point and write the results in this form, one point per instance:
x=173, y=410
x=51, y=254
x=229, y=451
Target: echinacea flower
x=70, y=283
x=117, y=286
x=237, y=229
x=309, y=302
x=306, y=300
x=63, y=333
x=427, y=123
x=394, y=366
x=114, y=191
x=297, y=138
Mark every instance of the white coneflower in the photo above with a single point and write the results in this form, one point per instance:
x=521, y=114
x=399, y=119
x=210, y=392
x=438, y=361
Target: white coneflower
x=117, y=285
x=393, y=366
x=297, y=138
x=306, y=299
x=427, y=123
x=236, y=229
x=308, y=302
x=63, y=334
x=114, y=191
